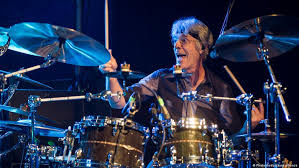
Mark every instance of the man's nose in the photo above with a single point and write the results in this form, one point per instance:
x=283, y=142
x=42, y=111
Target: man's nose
x=178, y=44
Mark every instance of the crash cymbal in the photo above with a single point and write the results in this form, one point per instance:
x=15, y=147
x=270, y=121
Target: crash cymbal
x=28, y=80
x=266, y=136
x=65, y=44
x=23, y=126
x=24, y=113
x=12, y=46
x=125, y=75
x=279, y=34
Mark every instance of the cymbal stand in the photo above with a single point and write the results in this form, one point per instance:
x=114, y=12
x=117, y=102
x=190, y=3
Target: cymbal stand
x=125, y=70
x=275, y=92
x=246, y=100
x=33, y=147
x=48, y=63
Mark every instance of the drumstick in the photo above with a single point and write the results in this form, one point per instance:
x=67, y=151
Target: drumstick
x=234, y=79
x=106, y=25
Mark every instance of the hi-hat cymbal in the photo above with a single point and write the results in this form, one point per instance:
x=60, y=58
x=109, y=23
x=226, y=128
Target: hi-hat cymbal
x=65, y=44
x=179, y=76
x=24, y=113
x=266, y=136
x=125, y=75
x=28, y=80
x=22, y=126
x=279, y=34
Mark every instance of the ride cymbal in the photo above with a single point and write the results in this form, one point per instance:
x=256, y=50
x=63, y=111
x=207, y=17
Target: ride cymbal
x=278, y=33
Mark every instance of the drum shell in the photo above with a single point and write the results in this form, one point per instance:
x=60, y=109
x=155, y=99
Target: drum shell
x=190, y=145
x=189, y=141
x=120, y=144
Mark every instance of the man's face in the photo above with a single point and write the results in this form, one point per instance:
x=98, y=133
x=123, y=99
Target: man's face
x=188, y=52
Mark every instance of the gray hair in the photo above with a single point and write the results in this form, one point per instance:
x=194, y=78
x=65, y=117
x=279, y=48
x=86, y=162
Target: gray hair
x=195, y=28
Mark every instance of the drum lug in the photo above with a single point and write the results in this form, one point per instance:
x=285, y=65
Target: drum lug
x=140, y=162
x=173, y=153
x=114, y=130
x=78, y=153
x=206, y=154
x=108, y=160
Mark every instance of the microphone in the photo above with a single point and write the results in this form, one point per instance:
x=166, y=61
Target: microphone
x=164, y=110
x=130, y=107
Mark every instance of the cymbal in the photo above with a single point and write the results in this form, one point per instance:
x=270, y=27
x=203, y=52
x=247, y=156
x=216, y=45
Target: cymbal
x=12, y=46
x=64, y=44
x=266, y=136
x=28, y=80
x=179, y=76
x=40, y=129
x=24, y=113
x=279, y=34
x=125, y=75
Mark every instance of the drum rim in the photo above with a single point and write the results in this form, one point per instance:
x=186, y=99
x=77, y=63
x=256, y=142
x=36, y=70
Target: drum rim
x=102, y=121
x=191, y=123
x=193, y=160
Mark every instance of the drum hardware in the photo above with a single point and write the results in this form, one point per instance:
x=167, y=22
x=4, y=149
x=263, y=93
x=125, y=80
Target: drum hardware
x=22, y=139
x=68, y=142
x=193, y=96
x=4, y=48
x=244, y=99
x=130, y=109
x=275, y=90
x=259, y=39
x=173, y=152
x=104, y=95
x=109, y=160
x=177, y=73
x=22, y=78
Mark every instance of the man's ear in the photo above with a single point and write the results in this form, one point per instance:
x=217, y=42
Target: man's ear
x=201, y=51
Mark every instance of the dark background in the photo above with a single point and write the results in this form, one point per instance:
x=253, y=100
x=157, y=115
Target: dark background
x=139, y=35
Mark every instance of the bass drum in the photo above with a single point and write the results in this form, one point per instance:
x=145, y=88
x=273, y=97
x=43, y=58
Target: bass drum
x=110, y=142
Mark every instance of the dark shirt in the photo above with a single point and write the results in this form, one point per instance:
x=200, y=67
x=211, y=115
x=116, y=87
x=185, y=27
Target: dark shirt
x=220, y=112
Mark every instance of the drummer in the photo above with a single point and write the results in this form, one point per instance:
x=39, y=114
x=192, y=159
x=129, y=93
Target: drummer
x=191, y=41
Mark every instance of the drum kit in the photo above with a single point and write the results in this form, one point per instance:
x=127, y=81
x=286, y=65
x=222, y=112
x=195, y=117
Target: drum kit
x=120, y=142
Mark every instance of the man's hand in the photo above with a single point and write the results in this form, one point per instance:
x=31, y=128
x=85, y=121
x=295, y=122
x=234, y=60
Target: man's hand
x=110, y=66
x=257, y=114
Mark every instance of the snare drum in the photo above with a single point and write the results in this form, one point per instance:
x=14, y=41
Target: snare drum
x=189, y=143
x=110, y=142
